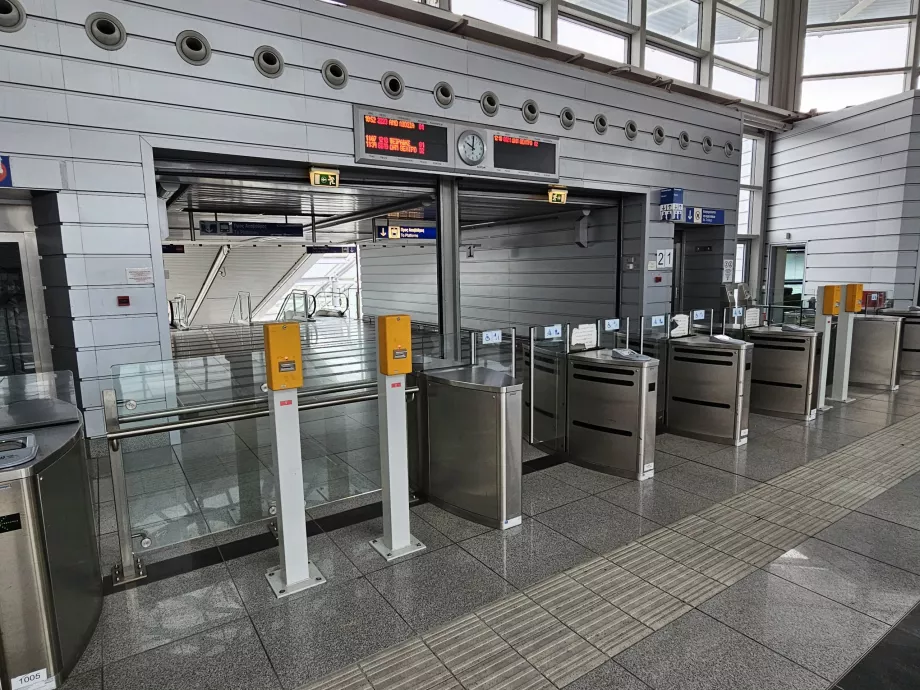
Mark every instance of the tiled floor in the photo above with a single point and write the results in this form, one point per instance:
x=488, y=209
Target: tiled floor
x=773, y=566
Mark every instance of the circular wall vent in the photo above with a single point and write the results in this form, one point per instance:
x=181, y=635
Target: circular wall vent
x=193, y=47
x=531, y=111
x=269, y=62
x=707, y=144
x=444, y=94
x=335, y=74
x=658, y=134
x=106, y=31
x=683, y=139
x=601, y=124
x=631, y=129
x=729, y=149
x=567, y=118
x=393, y=85
x=12, y=16
x=489, y=104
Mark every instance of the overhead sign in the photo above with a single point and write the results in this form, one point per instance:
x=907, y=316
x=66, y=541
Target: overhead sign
x=557, y=195
x=704, y=216
x=407, y=230
x=246, y=229
x=174, y=249
x=671, y=205
x=324, y=178
x=332, y=250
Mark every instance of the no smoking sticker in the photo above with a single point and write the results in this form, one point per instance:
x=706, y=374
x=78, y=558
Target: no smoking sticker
x=6, y=173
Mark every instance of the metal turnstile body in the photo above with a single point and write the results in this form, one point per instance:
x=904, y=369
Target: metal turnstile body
x=655, y=345
x=783, y=372
x=474, y=440
x=910, y=339
x=549, y=413
x=612, y=411
x=875, y=361
x=709, y=384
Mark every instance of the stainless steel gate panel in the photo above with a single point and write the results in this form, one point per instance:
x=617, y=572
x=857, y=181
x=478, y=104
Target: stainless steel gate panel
x=876, y=352
x=549, y=406
x=612, y=412
x=783, y=371
x=910, y=339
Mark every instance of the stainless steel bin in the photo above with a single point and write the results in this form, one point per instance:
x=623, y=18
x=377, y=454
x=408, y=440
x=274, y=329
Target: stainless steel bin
x=783, y=371
x=474, y=441
x=50, y=582
x=875, y=357
x=910, y=339
x=709, y=382
x=612, y=404
x=549, y=413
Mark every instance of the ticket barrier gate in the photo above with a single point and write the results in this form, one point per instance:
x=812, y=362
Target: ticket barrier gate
x=709, y=383
x=612, y=411
x=876, y=351
x=655, y=345
x=783, y=371
x=910, y=338
x=544, y=417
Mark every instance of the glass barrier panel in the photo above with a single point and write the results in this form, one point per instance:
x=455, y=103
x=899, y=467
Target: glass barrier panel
x=583, y=336
x=495, y=349
x=543, y=373
x=612, y=332
x=702, y=321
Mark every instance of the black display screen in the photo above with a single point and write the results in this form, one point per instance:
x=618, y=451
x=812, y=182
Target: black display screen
x=526, y=155
x=405, y=138
x=10, y=523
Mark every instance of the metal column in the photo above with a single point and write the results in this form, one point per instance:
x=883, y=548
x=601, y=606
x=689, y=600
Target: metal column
x=449, y=267
x=843, y=352
x=823, y=325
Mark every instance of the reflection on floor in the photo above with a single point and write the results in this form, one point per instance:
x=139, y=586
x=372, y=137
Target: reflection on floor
x=776, y=565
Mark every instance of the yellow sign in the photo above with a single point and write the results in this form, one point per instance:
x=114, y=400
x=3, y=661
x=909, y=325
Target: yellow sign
x=394, y=344
x=831, y=300
x=324, y=178
x=854, y=298
x=557, y=195
x=283, y=356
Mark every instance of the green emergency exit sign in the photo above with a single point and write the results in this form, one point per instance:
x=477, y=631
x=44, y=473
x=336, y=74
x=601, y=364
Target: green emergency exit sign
x=324, y=178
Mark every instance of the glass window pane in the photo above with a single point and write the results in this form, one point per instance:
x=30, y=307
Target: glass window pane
x=855, y=50
x=617, y=9
x=677, y=19
x=740, y=262
x=669, y=64
x=737, y=41
x=731, y=82
x=833, y=94
x=827, y=11
x=744, y=212
x=752, y=6
x=589, y=39
x=511, y=15
x=748, y=147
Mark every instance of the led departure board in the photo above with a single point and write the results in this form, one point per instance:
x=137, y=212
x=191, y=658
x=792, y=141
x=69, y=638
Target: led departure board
x=524, y=154
x=405, y=138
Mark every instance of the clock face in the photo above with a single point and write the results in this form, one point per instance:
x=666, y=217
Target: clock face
x=472, y=148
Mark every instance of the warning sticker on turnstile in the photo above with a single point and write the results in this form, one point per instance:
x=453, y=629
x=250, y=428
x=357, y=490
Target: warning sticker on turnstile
x=400, y=354
x=29, y=679
x=752, y=317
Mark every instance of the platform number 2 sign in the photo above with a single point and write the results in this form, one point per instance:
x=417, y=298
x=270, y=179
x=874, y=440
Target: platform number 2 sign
x=664, y=258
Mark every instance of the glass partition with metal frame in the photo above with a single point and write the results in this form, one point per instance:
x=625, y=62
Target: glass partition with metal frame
x=543, y=372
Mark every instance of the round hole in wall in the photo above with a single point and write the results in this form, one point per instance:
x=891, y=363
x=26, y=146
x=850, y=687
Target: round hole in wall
x=567, y=118
x=658, y=134
x=601, y=124
x=729, y=149
x=393, y=85
x=444, y=94
x=489, y=103
x=193, y=47
x=106, y=31
x=269, y=62
x=683, y=139
x=707, y=144
x=12, y=16
x=335, y=74
x=631, y=129
x=531, y=111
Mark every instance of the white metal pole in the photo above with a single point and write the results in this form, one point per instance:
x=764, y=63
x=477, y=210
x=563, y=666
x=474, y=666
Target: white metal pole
x=823, y=325
x=842, y=354
x=295, y=573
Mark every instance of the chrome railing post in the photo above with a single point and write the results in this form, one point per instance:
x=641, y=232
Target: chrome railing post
x=533, y=341
x=130, y=568
x=473, y=348
x=513, y=351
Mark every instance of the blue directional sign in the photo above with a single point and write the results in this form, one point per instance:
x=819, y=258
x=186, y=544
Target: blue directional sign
x=407, y=230
x=704, y=216
x=671, y=205
x=6, y=172
x=244, y=229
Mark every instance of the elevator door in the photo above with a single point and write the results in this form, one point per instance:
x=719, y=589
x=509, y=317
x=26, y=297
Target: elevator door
x=24, y=345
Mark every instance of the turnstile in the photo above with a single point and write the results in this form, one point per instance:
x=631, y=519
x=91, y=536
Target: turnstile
x=474, y=441
x=612, y=404
x=709, y=382
x=50, y=581
x=549, y=413
x=655, y=345
x=910, y=339
x=783, y=371
x=876, y=351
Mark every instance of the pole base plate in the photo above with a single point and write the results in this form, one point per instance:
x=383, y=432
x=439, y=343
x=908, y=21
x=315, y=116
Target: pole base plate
x=282, y=589
x=391, y=555
x=825, y=408
x=118, y=576
x=845, y=401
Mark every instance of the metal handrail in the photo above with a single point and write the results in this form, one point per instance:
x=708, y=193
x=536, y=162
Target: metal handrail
x=244, y=402
x=292, y=297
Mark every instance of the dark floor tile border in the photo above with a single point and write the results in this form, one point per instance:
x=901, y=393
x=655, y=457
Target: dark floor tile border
x=543, y=463
x=880, y=659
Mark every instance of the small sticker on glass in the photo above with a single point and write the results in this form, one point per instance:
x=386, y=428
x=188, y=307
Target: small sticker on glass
x=657, y=321
x=611, y=325
x=491, y=337
x=699, y=314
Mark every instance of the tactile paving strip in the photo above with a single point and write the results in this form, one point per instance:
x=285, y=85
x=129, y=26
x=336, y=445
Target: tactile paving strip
x=349, y=678
x=408, y=666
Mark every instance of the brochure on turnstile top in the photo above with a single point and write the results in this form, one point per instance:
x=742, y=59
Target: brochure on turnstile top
x=792, y=328
x=720, y=338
